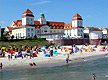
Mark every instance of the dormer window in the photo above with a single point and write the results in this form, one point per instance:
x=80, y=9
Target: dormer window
x=58, y=27
x=37, y=24
x=65, y=27
x=61, y=27
x=38, y=27
x=70, y=26
x=54, y=27
x=51, y=27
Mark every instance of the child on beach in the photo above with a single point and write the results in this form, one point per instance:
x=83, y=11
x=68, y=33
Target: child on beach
x=94, y=77
x=67, y=60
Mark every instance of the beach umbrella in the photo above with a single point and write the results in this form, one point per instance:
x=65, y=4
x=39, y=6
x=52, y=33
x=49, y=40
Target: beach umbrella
x=101, y=50
x=76, y=47
x=25, y=53
x=55, y=52
x=34, y=55
x=47, y=55
x=19, y=55
x=13, y=52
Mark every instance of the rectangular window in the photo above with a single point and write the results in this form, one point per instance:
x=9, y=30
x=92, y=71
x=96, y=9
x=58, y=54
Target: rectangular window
x=38, y=31
x=32, y=34
x=20, y=34
x=28, y=29
x=28, y=34
x=31, y=29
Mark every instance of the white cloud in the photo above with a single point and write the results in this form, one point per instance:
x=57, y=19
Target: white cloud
x=42, y=2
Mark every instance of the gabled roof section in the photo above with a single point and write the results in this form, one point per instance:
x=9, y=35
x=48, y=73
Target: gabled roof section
x=27, y=11
x=77, y=15
x=10, y=28
x=96, y=29
x=18, y=22
x=105, y=28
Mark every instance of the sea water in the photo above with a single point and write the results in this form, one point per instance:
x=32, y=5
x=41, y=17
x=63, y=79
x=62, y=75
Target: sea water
x=81, y=70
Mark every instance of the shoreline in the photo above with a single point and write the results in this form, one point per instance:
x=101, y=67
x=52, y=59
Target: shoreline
x=53, y=61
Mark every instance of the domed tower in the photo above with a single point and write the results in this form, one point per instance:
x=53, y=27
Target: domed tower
x=42, y=19
x=28, y=18
x=77, y=21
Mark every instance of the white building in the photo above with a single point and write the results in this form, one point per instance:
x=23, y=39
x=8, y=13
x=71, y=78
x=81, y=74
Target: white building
x=28, y=28
x=95, y=34
x=75, y=29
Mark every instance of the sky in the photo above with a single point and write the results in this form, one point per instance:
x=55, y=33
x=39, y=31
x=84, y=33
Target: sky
x=93, y=12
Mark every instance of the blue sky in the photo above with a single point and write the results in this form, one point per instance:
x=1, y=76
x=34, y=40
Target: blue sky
x=93, y=12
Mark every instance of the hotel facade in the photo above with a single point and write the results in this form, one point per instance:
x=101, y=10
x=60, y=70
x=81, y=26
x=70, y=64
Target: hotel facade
x=28, y=27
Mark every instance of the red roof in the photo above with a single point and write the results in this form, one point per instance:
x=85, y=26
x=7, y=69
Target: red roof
x=77, y=19
x=27, y=11
x=10, y=28
x=89, y=27
x=106, y=28
x=96, y=29
x=56, y=23
x=77, y=15
x=69, y=26
x=18, y=22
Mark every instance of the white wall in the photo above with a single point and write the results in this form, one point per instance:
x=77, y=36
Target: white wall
x=95, y=35
x=77, y=23
x=27, y=20
x=75, y=32
x=30, y=32
x=23, y=32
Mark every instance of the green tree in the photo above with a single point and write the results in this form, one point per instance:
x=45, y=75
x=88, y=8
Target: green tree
x=3, y=38
x=12, y=37
x=35, y=37
x=2, y=31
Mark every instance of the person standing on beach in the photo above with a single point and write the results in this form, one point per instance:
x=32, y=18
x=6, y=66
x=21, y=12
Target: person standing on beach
x=67, y=60
x=1, y=65
x=94, y=77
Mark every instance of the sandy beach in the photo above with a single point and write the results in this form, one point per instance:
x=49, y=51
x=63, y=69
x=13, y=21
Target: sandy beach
x=41, y=61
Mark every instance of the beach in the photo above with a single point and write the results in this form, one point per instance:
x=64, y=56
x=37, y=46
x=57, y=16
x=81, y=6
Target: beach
x=41, y=61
